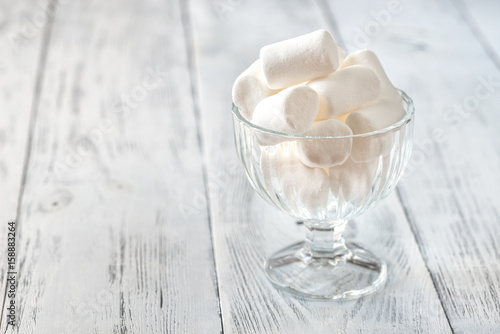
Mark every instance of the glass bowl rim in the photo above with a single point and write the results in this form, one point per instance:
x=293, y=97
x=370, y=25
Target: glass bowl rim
x=409, y=114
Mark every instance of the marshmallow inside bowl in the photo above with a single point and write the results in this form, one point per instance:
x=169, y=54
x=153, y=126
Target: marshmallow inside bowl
x=292, y=111
x=250, y=88
x=301, y=187
x=373, y=118
x=339, y=112
x=315, y=174
x=299, y=59
x=325, y=153
x=345, y=90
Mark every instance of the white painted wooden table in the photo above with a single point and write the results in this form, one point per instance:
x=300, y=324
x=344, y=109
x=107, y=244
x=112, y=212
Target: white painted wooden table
x=133, y=215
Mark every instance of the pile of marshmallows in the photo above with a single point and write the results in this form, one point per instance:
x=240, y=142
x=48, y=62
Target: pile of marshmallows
x=306, y=85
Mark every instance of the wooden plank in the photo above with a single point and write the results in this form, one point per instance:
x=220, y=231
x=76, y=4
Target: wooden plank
x=246, y=230
x=451, y=191
x=482, y=18
x=22, y=47
x=105, y=246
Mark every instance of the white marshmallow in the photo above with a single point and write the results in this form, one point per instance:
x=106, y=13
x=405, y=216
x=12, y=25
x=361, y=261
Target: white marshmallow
x=363, y=181
x=345, y=90
x=302, y=187
x=299, y=59
x=291, y=111
x=325, y=153
x=377, y=116
x=351, y=180
x=369, y=58
x=250, y=88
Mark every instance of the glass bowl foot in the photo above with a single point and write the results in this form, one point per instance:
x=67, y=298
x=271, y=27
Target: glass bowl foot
x=349, y=274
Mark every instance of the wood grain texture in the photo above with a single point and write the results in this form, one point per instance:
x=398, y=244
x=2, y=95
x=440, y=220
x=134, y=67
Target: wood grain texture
x=482, y=18
x=107, y=244
x=246, y=229
x=451, y=189
x=19, y=65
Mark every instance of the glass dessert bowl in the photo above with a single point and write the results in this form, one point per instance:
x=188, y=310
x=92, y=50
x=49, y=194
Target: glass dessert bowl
x=324, y=266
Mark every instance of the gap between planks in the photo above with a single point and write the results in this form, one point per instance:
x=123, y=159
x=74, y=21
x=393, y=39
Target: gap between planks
x=466, y=15
x=42, y=60
x=188, y=37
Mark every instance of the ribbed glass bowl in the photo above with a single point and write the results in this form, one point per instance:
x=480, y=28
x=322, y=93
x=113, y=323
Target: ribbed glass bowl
x=324, y=266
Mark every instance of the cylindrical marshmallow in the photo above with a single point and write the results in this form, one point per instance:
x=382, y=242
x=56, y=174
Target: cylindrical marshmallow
x=291, y=111
x=302, y=187
x=299, y=59
x=352, y=180
x=375, y=117
x=369, y=59
x=250, y=88
x=325, y=153
x=345, y=90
